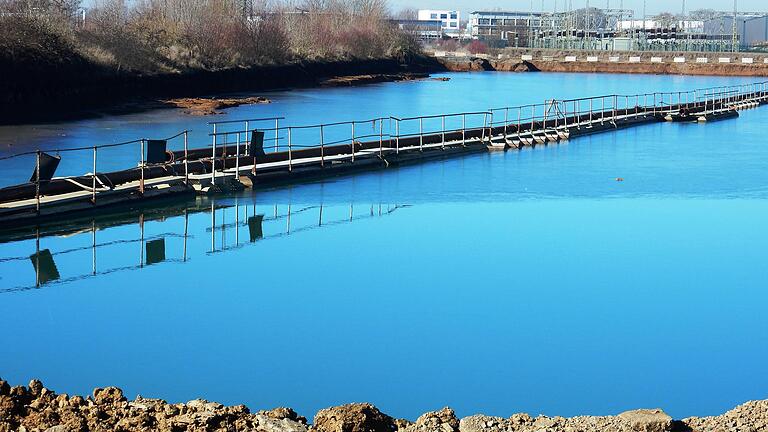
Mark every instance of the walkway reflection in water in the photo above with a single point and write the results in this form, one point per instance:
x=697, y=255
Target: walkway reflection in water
x=231, y=224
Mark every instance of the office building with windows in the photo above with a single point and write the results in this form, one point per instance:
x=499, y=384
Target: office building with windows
x=451, y=19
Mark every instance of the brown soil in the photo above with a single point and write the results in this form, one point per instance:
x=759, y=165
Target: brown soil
x=210, y=106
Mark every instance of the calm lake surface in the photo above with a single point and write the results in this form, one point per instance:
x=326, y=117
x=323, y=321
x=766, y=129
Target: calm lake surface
x=497, y=283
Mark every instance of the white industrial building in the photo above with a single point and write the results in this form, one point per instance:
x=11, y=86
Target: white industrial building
x=451, y=19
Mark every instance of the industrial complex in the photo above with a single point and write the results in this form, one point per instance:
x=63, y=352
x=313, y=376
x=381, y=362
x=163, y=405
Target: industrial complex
x=593, y=28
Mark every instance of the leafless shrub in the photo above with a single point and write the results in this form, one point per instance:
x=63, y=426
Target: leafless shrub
x=152, y=36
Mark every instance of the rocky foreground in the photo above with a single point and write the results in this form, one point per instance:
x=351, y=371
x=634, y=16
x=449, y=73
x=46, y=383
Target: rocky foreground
x=36, y=408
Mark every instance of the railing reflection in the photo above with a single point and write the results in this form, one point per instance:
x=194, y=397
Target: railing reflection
x=104, y=236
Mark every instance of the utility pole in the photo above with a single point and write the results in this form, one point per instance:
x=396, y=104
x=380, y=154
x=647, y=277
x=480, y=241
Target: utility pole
x=621, y=14
x=530, y=26
x=645, y=19
x=685, y=30
x=541, y=24
x=555, y=26
x=586, y=26
x=735, y=40
x=570, y=22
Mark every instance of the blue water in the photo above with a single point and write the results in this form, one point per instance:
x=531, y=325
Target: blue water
x=496, y=283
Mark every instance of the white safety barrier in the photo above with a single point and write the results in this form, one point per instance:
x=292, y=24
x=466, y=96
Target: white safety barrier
x=702, y=60
x=616, y=59
x=747, y=60
x=724, y=60
x=592, y=59
x=548, y=58
x=570, y=58
x=439, y=53
x=765, y=61
x=634, y=59
x=526, y=57
x=656, y=60
x=679, y=60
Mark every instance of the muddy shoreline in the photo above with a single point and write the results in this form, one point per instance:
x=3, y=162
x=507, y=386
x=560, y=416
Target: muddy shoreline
x=32, y=93
x=35, y=408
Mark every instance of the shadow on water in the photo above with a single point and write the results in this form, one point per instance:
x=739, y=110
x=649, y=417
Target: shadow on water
x=235, y=222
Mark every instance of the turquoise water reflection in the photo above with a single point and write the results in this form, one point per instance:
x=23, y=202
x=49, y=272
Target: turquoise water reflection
x=496, y=283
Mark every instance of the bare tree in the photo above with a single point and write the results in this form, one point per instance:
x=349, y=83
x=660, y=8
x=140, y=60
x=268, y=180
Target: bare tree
x=407, y=14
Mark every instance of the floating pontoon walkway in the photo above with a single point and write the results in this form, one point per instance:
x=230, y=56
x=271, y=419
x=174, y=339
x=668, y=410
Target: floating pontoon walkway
x=255, y=152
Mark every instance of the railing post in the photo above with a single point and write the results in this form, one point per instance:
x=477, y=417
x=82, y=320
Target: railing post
x=490, y=128
x=186, y=160
x=213, y=158
x=565, y=115
x=645, y=105
x=237, y=158
x=421, y=134
x=397, y=140
x=141, y=183
x=247, y=139
x=277, y=135
x=590, y=112
x=637, y=105
x=506, y=121
x=353, y=141
x=615, y=103
x=37, y=183
x=442, y=120
x=322, y=147
x=602, y=110
x=464, y=130
x=381, y=137
x=93, y=180
x=555, y=104
x=290, y=150
x=577, y=108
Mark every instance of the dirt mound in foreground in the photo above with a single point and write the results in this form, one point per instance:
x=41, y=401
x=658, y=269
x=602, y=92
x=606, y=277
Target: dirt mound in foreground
x=36, y=408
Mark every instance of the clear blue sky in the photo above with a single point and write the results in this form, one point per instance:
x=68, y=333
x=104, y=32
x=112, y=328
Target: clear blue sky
x=653, y=6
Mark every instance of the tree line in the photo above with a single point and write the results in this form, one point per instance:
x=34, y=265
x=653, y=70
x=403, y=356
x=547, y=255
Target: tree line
x=152, y=36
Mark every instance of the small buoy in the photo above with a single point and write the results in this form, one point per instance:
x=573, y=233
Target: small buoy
x=619, y=179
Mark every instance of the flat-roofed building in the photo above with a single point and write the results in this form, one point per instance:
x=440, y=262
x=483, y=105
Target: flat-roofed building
x=450, y=19
x=425, y=30
x=502, y=28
